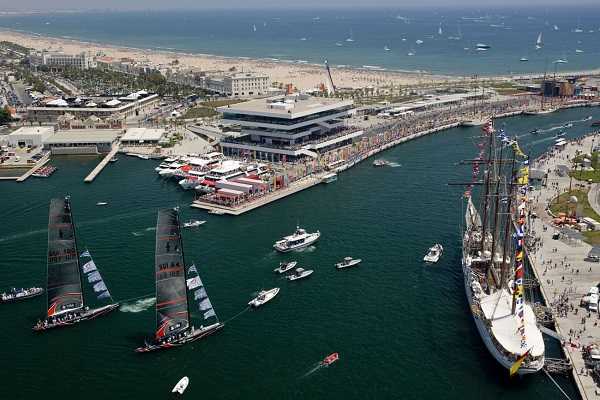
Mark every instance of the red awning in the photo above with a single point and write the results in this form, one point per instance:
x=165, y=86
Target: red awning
x=207, y=182
x=185, y=168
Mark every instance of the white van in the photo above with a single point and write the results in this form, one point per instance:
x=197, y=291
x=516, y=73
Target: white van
x=593, y=303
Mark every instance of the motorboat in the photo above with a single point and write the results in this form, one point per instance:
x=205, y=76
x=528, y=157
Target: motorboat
x=524, y=59
x=534, y=131
x=348, y=262
x=264, y=296
x=434, y=254
x=181, y=385
x=20, y=294
x=296, y=241
x=102, y=203
x=114, y=159
x=595, y=123
x=193, y=223
x=299, y=273
x=329, y=178
x=483, y=46
x=381, y=163
x=285, y=267
x=330, y=359
x=542, y=111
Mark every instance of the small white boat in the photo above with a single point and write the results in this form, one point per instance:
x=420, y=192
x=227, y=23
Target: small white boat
x=329, y=178
x=193, y=223
x=381, y=163
x=386, y=48
x=434, y=253
x=216, y=212
x=285, y=266
x=419, y=41
x=263, y=297
x=181, y=385
x=300, y=273
x=114, y=159
x=102, y=203
x=348, y=262
x=524, y=59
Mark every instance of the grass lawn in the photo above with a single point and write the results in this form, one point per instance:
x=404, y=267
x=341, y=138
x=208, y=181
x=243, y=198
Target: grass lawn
x=199, y=112
x=591, y=237
x=586, y=175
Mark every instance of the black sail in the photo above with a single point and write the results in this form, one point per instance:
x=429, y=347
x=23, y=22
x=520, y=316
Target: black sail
x=172, y=314
x=64, y=280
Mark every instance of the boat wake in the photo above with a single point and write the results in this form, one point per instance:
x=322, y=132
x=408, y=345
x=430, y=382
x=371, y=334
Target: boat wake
x=137, y=233
x=150, y=228
x=138, y=305
x=394, y=165
x=314, y=369
x=17, y=236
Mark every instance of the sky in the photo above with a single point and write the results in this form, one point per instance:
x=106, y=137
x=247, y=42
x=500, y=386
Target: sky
x=51, y=5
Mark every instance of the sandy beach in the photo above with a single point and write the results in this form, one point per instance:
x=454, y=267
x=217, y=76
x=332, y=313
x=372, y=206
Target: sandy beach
x=303, y=76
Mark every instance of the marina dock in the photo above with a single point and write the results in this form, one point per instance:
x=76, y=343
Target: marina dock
x=294, y=187
x=90, y=178
x=562, y=271
x=37, y=165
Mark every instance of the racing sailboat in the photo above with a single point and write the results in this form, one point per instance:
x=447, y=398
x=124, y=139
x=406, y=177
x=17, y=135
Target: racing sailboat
x=66, y=300
x=493, y=279
x=173, y=315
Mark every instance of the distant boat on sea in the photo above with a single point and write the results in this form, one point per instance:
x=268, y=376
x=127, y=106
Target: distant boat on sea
x=303, y=39
x=253, y=27
x=419, y=41
x=539, y=42
x=411, y=53
x=483, y=46
x=386, y=48
x=524, y=59
x=555, y=27
x=338, y=44
x=350, y=38
x=440, y=31
x=578, y=51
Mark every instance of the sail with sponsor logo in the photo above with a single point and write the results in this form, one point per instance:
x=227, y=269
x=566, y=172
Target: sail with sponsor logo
x=66, y=303
x=173, y=287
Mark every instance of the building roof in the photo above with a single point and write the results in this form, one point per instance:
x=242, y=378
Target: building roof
x=288, y=107
x=83, y=136
x=143, y=135
x=33, y=130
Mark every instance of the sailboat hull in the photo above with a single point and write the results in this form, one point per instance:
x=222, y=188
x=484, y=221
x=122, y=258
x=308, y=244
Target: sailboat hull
x=85, y=316
x=196, y=335
x=486, y=336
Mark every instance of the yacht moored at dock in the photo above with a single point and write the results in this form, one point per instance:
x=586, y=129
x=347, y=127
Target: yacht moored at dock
x=329, y=178
x=300, y=239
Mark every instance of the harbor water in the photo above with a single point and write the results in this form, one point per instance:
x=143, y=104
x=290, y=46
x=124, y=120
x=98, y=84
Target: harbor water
x=402, y=328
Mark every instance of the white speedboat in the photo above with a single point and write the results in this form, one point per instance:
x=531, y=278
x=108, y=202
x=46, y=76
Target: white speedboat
x=542, y=111
x=348, y=262
x=285, y=267
x=181, y=385
x=299, y=273
x=329, y=178
x=296, y=241
x=193, y=223
x=381, y=163
x=434, y=254
x=102, y=203
x=263, y=297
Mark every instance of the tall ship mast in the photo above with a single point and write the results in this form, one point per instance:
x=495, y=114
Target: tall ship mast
x=173, y=287
x=66, y=301
x=493, y=261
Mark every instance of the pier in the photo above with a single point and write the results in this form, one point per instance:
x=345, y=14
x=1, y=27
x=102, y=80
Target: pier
x=90, y=178
x=37, y=165
x=561, y=268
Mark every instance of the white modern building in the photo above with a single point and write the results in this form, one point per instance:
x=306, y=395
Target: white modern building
x=80, y=61
x=241, y=84
x=29, y=136
x=142, y=136
x=285, y=128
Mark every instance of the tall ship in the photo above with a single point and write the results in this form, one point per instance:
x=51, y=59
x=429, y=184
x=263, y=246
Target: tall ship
x=67, y=303
x=175, y=283
x=493, y=259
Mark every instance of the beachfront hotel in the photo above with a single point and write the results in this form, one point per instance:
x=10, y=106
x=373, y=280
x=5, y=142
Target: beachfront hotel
x=286, y=128
x=59, y=59
x=240, y=84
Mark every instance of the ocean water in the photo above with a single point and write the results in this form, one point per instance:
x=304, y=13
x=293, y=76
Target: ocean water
x=313, y=36
x=403, y=329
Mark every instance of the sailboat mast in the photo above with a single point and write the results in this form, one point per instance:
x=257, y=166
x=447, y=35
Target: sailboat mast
x=185, y=274
x=507, y=225
x=486, y=193
x=496, y=212
x=68, y=203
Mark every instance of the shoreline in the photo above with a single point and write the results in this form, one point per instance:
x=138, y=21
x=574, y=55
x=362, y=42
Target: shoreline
x=303, y=75
x=373, y=75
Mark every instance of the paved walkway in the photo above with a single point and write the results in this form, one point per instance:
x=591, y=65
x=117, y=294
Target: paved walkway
x=563, y=274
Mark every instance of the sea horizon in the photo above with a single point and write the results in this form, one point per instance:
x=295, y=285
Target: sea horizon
x=396, y=41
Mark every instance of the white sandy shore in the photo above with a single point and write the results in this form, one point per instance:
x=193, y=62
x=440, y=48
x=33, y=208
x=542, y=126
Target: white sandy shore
x=303, y=76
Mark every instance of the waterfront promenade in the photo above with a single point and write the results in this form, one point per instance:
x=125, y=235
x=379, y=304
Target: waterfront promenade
x=564, y=276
